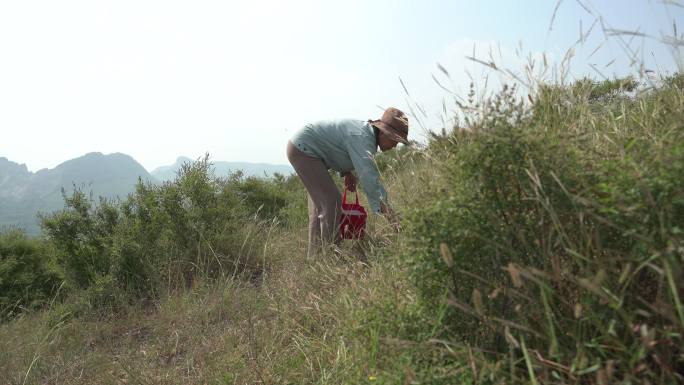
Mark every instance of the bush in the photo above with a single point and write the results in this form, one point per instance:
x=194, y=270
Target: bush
x=554, y=233
x=163, y=236
x=81, y=235
x=28, y=277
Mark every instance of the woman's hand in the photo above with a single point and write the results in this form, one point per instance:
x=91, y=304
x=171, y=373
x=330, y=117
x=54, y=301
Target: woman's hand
x=350, y=182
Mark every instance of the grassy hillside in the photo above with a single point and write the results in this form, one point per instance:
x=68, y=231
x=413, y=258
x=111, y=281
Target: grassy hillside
x=542, y=243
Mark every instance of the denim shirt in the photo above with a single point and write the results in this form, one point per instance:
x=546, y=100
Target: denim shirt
x=345, y=145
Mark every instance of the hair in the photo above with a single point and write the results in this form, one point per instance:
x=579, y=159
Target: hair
x=376, y=131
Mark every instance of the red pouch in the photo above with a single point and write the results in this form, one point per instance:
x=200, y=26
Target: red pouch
x=353, y=219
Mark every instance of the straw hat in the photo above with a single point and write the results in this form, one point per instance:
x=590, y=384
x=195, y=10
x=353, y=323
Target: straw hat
x=394, y=123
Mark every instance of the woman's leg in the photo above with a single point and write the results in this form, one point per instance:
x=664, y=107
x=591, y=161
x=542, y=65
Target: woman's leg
x=314, y=229
x=325, y=201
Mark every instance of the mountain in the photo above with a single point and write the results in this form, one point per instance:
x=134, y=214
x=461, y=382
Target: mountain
x=166, y=173
x=23, y=194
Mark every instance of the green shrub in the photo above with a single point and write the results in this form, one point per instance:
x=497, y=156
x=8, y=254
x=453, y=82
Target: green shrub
x=261, y=197
x=162, y=236
x=556, y=229
x=28, y=277
x=81, y=235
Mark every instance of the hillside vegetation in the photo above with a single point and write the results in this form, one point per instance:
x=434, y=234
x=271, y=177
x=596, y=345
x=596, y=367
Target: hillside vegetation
x=541, y=243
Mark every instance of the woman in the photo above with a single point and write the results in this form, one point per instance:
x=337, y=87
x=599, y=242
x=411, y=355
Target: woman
x=344, y=146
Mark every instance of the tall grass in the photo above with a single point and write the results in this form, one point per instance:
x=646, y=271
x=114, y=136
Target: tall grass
x=557, y=229
x=541, y=244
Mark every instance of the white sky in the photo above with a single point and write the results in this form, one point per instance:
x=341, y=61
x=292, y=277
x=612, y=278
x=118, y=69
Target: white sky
x=160, y=79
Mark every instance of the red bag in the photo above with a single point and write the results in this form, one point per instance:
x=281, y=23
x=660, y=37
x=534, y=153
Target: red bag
x=353, y=219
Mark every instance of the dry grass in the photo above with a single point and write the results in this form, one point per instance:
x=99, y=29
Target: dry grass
x=285, y=327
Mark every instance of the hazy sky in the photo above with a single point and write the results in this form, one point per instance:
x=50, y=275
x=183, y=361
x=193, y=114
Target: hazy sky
x=160, y=79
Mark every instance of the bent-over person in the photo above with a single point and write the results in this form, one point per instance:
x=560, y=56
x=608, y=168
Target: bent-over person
x=345, y=146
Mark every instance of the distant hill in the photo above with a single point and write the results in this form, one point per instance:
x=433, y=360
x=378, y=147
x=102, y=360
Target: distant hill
x=23, y=194
x=166, y=173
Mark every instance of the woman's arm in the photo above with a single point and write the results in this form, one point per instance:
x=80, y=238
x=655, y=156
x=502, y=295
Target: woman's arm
x=366, y=171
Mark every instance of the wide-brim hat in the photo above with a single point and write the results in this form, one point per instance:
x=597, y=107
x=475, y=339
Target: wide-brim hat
x=394, y=123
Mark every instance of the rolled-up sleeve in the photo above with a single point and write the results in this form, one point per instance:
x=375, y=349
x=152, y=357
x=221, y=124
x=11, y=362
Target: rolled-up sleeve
x=362, y=158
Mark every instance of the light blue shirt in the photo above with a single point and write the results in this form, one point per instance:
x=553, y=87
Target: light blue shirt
x=345, y=145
